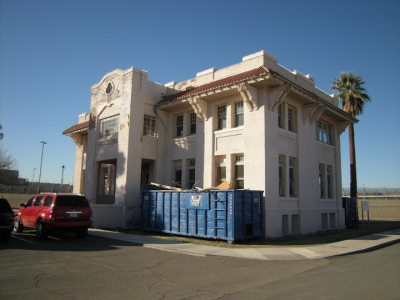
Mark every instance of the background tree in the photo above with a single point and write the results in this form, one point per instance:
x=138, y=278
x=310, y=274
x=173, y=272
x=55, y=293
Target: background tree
x=353, y=97
x=7, y=161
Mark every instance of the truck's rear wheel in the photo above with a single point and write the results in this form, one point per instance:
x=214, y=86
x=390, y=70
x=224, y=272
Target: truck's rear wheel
x=41, y=231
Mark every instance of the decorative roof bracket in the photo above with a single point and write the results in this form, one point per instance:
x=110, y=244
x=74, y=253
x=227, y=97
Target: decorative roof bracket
x=308, y=111
x=161, y=116
x=277, y=95
x=200, y=107
x=249, y=95
x=341, y=126
x=77, y=138
x=317, y=113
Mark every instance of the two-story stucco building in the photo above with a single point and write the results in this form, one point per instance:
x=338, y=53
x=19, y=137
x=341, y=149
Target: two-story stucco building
x=254, y=124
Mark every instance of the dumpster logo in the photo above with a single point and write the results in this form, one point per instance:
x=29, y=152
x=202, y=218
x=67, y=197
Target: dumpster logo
x=195, y=201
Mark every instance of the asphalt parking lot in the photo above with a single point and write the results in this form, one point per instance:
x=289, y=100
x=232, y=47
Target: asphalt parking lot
x=64, y=267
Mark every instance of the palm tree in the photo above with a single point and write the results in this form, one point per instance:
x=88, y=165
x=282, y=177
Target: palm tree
x=353, y=97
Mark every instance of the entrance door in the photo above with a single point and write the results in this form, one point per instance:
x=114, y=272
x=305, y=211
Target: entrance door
x=145, y=177
x=106, y=182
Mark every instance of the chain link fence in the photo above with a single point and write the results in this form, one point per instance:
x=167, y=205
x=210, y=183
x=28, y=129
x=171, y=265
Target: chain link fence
x=382, y=193
x=34, y=189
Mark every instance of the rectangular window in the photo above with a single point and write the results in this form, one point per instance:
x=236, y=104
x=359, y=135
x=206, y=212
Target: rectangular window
x=179, y=126
x=292, y=183
x=239, y=171
x=282, y=159
x=329, y=181
x=324, y=220
x=221, y=116
x=332, y=220
x=109, y=127
x=192, y=123
x=324, y=132
x=221, y=169
x=321, y=181
x=191, y=163
x=285, y=224
x=280, y=123
x=221, y=174
x=149, y=126
x=295, y=224
x=290, y=119
x=239, y=114
x=178, y=173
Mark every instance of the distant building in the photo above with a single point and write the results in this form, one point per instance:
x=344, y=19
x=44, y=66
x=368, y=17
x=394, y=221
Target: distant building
x=254, y=124
x=11, y=177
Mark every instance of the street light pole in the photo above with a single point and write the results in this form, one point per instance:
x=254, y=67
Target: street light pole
x=364, y=190
x=40, y=170
x=62, y=175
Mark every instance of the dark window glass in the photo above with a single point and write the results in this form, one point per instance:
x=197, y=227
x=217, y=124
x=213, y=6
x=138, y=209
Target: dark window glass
x=5, y=206
x=239, y=170
x=192, y=177
x=280, y=116
x=179, y=126
x=221, y=117
x=192, y=123
x=38, y=201
x=29, y=203
x=71, y=201
x=178, y=177
x=48, y=201
x=239, y=114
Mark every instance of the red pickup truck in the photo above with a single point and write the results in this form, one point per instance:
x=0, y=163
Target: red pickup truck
x=48, y=212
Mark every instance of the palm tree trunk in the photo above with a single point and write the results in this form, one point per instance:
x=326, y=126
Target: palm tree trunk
x=353, y=165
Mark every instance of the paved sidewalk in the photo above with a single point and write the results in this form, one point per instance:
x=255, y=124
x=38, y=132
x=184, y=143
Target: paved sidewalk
x=357, y=245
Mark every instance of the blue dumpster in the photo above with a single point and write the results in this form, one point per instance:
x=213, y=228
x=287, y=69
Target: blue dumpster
x=229, y=215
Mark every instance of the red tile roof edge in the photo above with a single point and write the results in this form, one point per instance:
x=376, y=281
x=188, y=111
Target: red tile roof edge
x=76, y=127
x=243, y=76
x=215, y=84
x=312, y=95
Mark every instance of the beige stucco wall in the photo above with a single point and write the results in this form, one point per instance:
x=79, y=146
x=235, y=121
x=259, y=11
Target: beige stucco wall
x=380, y=210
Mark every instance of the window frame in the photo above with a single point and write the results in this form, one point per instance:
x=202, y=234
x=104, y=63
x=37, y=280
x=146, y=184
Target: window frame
x=280, y=117
x=179, y=121
x=329, y=181
x=178, y=173
x=321, y=181
x=191, y=171
x=281, y=175
x=192, y=123
x=222, y=117
x=106, y=124
x=292, y=176
x=290, y=119
x=239, y=114
x=149, y=129
x=239, y=170
x=324, y=132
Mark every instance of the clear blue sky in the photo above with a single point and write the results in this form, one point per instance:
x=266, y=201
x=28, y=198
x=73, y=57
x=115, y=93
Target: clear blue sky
x=52, y=52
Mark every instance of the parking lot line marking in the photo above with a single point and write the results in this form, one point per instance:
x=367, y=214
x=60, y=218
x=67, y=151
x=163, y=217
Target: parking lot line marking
x=22, y=239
